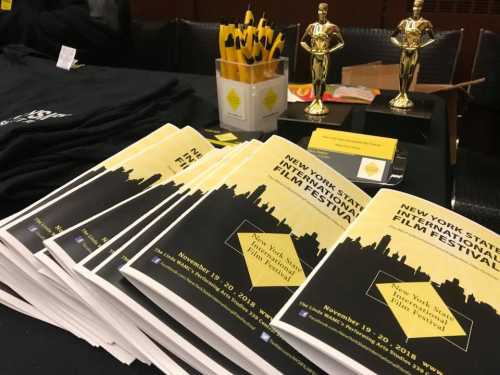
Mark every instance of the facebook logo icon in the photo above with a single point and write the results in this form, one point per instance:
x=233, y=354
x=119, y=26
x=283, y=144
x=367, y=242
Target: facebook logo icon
x=264, y=336
x=303, y=313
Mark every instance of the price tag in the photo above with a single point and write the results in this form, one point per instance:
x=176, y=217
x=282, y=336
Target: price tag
x=66, y=58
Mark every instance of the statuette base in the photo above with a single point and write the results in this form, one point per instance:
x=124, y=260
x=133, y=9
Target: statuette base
x=401, y=102
x=317, y=108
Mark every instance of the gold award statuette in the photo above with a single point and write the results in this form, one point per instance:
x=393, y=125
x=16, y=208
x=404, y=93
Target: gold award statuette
x=321, y=36
x=413, y=31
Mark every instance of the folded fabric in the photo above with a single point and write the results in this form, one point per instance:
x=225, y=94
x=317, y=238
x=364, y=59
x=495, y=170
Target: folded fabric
x=54, y=123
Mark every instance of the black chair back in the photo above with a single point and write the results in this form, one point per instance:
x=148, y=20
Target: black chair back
x=115, y=14
x=198, y=47
x=153, y=46
x=477, y=173
x=487, y=64
x=292, y=38
x=438, y=61
x=476, y=193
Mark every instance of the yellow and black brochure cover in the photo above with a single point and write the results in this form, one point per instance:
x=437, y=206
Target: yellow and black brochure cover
x=239, y=254
x=411, y=288
x=86, y=237
x=128, y=295
x=151, y=166
x=126, y=153
x=183, y=200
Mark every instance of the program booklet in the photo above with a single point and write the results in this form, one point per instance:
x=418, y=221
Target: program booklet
x=161, y=133
x=67, y=315
x=150, y=166
x=187, y=196
x=226, y=266
x=75, y=243
x=24, y=235
x=145, y=314
x=410, y=288
x=65, y=253
x=83, y=239
x=13, y=300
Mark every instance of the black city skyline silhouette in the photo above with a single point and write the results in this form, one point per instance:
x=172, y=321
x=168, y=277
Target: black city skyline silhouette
x=113, y=222
x=307, y=246
x=208, y=235
x=347, y=283
x=449, y=290
x=89, y=200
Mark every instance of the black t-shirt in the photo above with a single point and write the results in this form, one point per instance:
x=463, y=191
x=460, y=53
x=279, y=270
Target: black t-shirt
x=43, y=106
x=56, y=124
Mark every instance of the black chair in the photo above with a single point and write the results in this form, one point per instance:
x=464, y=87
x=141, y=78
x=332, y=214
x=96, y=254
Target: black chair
x=438, y=61
x=153, y=46
x=198, y=47
x=115, y=14
x=477, y=188
x=481, y=130
x=487, y=64
x=477, y=174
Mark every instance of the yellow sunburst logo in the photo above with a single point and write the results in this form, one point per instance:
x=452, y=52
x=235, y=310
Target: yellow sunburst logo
x=371, y=169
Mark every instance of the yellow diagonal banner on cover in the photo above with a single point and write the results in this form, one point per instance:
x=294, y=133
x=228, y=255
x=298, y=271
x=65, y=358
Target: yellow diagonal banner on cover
x=419, y=310
x=272, y=259
x=6, y=5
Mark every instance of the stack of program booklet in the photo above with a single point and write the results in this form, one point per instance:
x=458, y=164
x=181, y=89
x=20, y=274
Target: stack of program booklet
x=220, y=261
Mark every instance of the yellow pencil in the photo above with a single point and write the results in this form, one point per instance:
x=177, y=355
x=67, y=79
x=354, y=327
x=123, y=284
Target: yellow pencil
x=243, y=60
x=232, y=69
x=222, y=50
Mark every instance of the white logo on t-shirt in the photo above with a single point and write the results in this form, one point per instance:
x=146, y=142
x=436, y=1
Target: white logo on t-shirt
x=34, y=116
